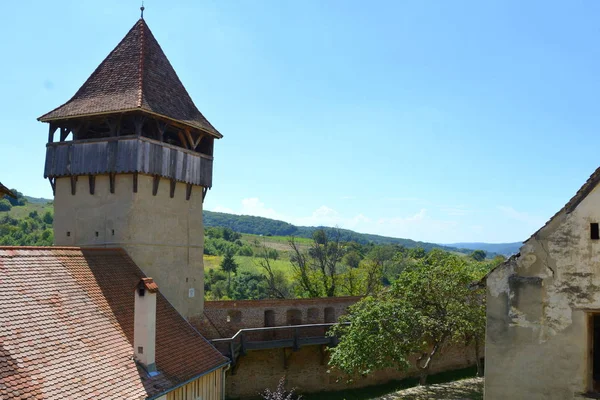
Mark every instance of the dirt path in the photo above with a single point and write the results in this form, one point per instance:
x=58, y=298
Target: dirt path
x=466, y=389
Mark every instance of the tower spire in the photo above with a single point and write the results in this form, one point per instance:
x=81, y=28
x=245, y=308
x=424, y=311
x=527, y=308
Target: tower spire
x=142, y=8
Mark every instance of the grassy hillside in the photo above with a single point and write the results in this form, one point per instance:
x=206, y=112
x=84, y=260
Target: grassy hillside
x=26, y=221
x=270, y=227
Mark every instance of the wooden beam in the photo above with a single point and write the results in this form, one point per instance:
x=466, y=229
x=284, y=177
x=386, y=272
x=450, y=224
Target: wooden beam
x=51, y=129
x=198, y=140
x=92, y=179
x=204, y=191
x=73, y=184
x=53, y=184
x=188, y=191
x=172, y=188
x=111, y=179
x=155, y=181
x=182, y=140
x=138, y=121
x=135, y=182
x=64, y=132
x=161, y=126
x=188, y=135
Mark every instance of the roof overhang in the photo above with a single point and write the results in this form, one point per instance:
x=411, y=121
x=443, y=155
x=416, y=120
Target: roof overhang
x=173, y=121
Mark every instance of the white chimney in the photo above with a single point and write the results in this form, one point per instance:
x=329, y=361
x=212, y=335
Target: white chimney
x=144, y=325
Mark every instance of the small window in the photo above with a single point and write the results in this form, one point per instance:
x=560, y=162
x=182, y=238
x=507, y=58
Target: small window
x=97, y=233
x=68, y=233
x=594, y=231
x=313, y=315
x=329, y=315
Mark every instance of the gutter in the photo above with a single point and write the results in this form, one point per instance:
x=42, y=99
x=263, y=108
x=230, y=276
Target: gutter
x=190, y=380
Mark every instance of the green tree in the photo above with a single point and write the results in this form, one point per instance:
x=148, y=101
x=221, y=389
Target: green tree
x=478, y=255
x=5, y=205
x=317, y=269
x=48, y=218
x=229, y=266
x=430, y=304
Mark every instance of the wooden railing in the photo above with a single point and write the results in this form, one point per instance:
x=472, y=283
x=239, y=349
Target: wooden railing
x=276, y=337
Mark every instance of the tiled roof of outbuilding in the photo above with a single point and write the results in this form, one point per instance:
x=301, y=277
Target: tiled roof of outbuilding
x=66, y=328
x=136, y=75
x=5, y=191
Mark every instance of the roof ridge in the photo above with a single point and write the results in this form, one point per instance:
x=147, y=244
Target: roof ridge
x=93, y=73
x=60, y=248
x=141, y=63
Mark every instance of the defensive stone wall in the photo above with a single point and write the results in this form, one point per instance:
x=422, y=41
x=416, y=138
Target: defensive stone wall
x=307, y=371
x=224, y=318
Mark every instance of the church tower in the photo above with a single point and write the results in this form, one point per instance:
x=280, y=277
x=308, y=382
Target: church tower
x=130, y=160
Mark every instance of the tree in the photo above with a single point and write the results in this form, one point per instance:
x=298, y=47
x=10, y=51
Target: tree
x=5, y=205
x=478, y=255
x=317, y=268
x=276, y=283
x=430, y=304
x=229, y=265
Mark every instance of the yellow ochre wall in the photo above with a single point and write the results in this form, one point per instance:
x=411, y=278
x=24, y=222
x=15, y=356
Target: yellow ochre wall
x=163, y=235
x=207, y=387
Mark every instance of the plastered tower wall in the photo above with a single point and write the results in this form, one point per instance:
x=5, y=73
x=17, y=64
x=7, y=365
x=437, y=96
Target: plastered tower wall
x=538, y=340
x=163, y=235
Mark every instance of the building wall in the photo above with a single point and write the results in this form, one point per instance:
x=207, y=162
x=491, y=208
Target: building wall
x=163, y=235
x=307, y=371
x=207, y=387
x=538, y=307
x=216, y=323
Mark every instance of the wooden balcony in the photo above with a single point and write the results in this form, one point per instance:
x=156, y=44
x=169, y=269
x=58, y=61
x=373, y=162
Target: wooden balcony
x=278, y=337
x=125, y=155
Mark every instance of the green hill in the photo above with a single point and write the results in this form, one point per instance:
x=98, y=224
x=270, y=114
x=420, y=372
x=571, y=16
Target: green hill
x=270, y=227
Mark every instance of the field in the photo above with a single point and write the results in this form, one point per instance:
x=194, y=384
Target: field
x=21, y=212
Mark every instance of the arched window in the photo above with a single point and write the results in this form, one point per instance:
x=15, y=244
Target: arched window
x=329, y=315
x=269, y=318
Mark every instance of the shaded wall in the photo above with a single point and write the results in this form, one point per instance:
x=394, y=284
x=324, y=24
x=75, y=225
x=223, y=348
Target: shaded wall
x=307, y=370
x=539, y=304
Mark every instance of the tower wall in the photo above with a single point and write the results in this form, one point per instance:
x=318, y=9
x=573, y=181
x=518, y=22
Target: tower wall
x=163, y=235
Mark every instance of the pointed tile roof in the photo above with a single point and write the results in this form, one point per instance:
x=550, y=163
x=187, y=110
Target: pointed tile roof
x=66, y=328
x=6, y=191
x=136, y=75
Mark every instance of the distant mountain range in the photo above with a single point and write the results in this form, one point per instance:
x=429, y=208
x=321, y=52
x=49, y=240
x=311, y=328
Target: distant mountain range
x=270, y=227
x=506, y=249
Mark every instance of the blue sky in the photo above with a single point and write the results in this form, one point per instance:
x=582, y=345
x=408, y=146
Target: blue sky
x=432, y=120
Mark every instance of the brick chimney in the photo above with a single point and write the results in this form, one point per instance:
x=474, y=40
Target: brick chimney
x=144, y=328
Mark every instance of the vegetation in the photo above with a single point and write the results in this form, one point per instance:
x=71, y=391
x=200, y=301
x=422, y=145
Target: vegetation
x=430, y=304
x=23, y=223
x=269, y=227
x=280, y=393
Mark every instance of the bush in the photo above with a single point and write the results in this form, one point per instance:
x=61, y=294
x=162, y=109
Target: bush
x=5, y=205
x=245, y=251
x=280, y=393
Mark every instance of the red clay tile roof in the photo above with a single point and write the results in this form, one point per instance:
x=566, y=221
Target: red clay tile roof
x=66, y=328
x=149, y=285
x=6, y=191
x=136, y=75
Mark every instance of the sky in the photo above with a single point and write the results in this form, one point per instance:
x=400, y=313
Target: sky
x=441, y=121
